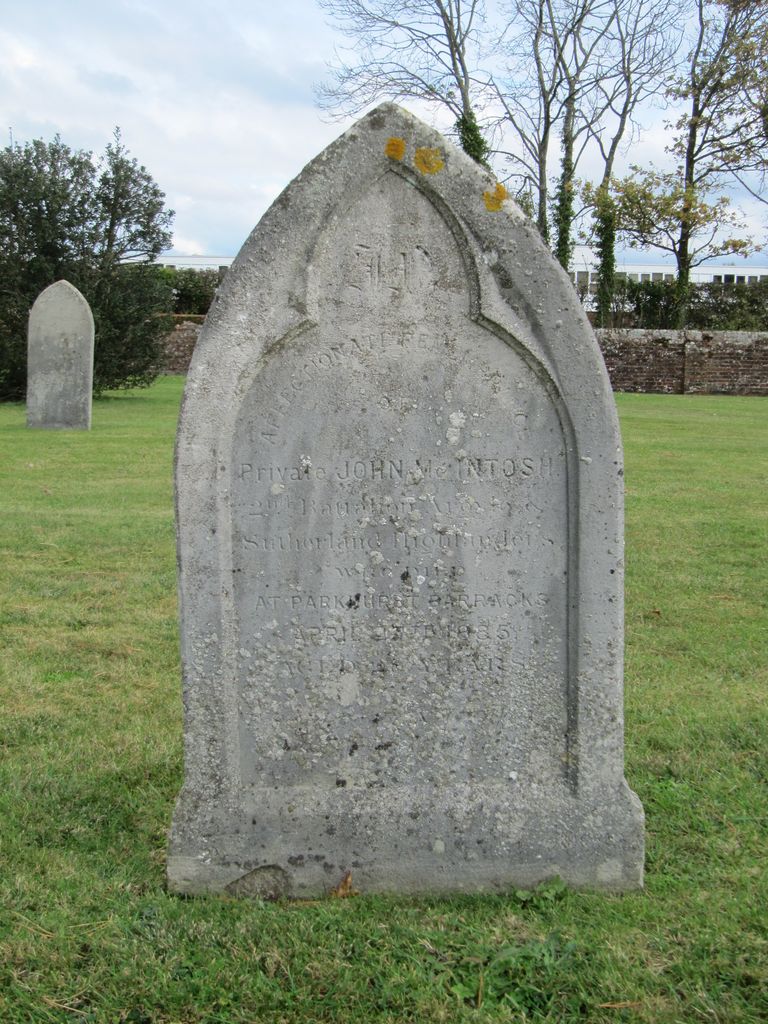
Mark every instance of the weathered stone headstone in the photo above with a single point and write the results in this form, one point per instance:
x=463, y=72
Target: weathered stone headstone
x=60, y=360
x=399, y=490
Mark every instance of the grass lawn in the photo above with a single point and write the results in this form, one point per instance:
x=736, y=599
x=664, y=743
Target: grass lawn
x=90, y=764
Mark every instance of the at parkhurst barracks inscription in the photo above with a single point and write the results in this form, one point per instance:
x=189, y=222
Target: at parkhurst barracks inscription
x=400, y=536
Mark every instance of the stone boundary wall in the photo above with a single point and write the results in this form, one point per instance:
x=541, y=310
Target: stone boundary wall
x=180, y=343
x=664, y=362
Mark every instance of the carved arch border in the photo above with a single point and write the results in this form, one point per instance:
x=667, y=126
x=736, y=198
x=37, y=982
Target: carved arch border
x=272, y=287
x=250, y=372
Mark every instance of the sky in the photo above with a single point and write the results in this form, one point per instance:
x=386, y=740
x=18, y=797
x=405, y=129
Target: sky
x=216, y=99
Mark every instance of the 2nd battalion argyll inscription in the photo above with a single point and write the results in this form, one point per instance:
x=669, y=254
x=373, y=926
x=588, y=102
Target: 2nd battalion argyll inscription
x=399, y=514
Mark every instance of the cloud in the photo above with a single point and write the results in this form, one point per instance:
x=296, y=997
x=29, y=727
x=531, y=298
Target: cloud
x=216, y=101
x=107, y=81
x=188, y=245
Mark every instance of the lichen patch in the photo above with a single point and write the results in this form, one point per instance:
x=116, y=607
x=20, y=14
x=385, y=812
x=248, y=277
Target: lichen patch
x=395, y=148
x=428, y=161
x=495, y=200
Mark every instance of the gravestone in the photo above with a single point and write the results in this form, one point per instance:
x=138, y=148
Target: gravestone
x=399, y=499
x=60, y=360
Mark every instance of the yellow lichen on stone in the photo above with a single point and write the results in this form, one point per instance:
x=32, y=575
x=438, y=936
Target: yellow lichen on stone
x=395, y=148
x=428, y=161
x=494, y=200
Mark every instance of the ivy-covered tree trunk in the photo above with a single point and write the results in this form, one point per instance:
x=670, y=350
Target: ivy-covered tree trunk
x=683, y=283
x=605, y=246
x=472, y=139
x=683, y=247
x=542, y=221
x=564, y=199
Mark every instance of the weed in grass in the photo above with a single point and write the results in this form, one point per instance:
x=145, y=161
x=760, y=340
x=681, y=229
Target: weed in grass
x=532, y=978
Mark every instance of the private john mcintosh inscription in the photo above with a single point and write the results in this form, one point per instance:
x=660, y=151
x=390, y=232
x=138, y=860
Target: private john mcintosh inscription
x=400, y=548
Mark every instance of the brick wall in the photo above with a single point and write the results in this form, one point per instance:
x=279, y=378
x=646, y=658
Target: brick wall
x=726, y=362
x=644, y=360
x=666, y=362
x=686, y=362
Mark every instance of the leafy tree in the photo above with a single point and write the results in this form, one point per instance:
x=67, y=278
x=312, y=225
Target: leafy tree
x=721, y=135
x=650, y=303
x=711, y=306
x=130, y=307
x=650, y=206
x=193, y=290
x=472, y=140
x=97, y=223
x=729, y=307
x=132, y=222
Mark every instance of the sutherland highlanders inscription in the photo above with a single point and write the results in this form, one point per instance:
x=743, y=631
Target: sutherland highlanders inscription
x=400, y=548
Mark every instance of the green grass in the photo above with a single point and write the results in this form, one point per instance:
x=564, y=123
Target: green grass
x=90, y=764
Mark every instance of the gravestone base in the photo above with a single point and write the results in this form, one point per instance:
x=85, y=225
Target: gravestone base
x=458, y=838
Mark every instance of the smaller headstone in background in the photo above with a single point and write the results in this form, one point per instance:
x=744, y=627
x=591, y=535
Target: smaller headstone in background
x=60, y=360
